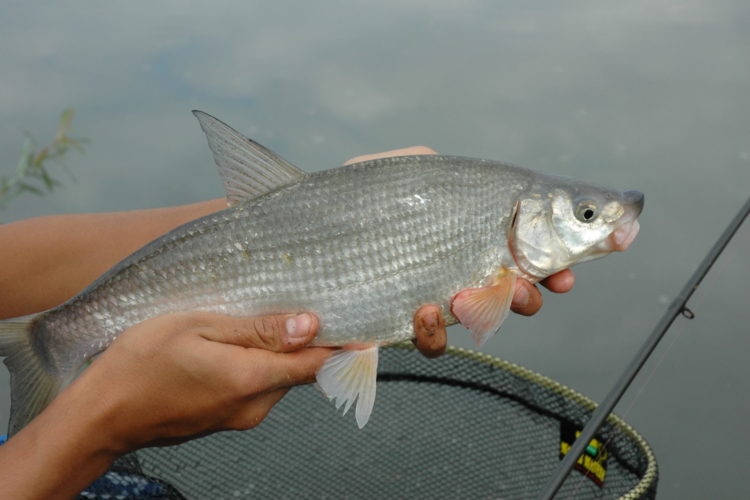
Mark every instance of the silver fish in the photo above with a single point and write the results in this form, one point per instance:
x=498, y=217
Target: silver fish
x=362, y=246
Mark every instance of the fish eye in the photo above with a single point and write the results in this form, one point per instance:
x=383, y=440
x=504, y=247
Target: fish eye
x=586, y=211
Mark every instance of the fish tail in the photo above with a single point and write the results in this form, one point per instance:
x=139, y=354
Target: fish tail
x=32, y=387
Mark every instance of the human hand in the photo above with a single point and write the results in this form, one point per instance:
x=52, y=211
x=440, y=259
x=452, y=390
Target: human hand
x=183, y=375
x=527, y=299
x=429, y=324
x=431, y=338
x=162, y=381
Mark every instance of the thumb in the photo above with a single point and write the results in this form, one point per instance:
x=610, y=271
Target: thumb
x=278, y=333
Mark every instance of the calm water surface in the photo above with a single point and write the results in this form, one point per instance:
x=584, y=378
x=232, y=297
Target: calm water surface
x=649, y=95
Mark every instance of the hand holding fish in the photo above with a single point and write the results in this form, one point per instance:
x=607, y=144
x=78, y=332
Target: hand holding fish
x=162, y=381
x=183, y=375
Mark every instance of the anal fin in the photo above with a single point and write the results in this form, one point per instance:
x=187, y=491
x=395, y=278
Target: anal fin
x=350, y=375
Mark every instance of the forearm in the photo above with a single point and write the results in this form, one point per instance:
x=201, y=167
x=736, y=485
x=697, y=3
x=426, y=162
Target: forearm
x=59, y=453
x=47, y=260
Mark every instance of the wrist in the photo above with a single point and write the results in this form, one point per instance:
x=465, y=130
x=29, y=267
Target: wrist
x=97, y=416
x=78, y=435
x=58, y=453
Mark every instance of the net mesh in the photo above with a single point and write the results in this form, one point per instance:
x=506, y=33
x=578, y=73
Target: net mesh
x=462, y=426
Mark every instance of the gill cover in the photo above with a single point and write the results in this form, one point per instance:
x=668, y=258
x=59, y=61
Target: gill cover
x=571, y=224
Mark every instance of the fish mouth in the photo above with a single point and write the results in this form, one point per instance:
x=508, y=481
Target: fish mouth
x=622, y=237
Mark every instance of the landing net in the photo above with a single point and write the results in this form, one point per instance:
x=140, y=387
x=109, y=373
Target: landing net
x=466, y=425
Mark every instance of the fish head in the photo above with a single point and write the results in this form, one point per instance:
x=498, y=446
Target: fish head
x=563, y=223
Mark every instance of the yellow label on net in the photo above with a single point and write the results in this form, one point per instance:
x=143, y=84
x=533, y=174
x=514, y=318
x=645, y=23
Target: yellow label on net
x=593, y=462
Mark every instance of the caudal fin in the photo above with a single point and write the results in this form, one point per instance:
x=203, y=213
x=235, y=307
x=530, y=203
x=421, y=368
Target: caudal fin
x=32, y=387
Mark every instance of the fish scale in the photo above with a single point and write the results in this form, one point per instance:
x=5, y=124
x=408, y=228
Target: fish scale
x=361, y=246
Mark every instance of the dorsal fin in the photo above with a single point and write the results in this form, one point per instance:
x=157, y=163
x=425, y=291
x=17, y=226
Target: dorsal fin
x=247, y=169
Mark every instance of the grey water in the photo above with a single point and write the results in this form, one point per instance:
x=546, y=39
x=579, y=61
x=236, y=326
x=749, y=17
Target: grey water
x=648, y=95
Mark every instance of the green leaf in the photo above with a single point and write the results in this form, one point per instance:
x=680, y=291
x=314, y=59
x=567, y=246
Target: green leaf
x=65, y=123
x=49, y=182
x=40, y=157
x=24, y=162
x=33, y=164
x=31, y=189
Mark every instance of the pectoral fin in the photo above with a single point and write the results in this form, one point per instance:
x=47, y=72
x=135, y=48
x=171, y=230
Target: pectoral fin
x=349, y=375
x=483, y=310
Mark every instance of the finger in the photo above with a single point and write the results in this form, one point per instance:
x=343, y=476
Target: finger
x=560, y=282
x=278, y=333
x=429, y=330
x=255, y=410
x=413, y=150
x=277, y=370
x=527, y=300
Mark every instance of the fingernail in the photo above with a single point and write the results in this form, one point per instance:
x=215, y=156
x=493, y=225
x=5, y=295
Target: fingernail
x=521, y=297
x=299, y=326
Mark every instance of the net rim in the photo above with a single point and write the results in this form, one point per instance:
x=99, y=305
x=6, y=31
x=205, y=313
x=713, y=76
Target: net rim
x=649, y=477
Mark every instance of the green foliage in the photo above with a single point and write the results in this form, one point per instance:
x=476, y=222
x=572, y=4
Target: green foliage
x=32, y=173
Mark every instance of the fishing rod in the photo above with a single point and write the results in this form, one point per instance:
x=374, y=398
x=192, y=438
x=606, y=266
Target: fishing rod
x=677, y=307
